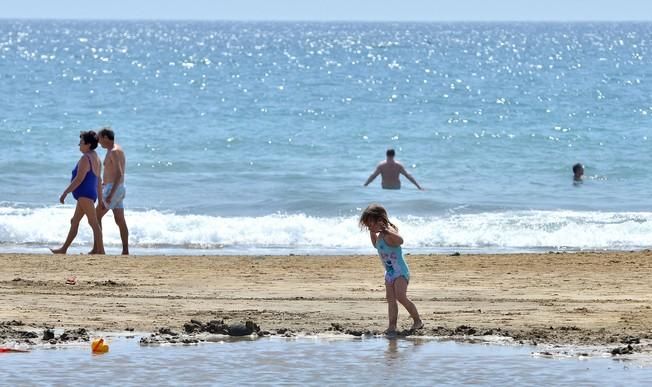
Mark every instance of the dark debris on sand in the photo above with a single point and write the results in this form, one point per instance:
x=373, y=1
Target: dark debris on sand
x=337, y=327
x=628, y=350
x=220, y=327
x=9, y=332
x=13, y=331
x=195, y=331
x=69, y=335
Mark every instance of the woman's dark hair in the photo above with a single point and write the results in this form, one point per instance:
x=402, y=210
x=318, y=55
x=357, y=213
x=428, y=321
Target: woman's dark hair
x=89, y=138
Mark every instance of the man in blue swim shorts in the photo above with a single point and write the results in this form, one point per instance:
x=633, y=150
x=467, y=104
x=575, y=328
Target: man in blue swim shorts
x=113, y=188
x=113, y=198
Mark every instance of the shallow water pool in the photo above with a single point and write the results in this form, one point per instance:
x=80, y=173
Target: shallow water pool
x=313, y=361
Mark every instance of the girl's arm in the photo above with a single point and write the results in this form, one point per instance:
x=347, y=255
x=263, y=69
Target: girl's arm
x=373, y=237
x=391, y=236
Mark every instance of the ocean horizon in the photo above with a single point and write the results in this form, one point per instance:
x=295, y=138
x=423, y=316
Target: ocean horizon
x=256, y=137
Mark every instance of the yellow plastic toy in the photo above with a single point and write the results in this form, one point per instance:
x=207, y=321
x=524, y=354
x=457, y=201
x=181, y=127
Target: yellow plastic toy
x=99, y=346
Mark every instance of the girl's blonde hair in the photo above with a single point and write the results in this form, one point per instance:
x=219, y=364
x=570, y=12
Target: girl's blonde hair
x=375, y=212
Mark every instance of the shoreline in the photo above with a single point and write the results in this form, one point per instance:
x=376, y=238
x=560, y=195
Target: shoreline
x=114, y=250
x=578, y=298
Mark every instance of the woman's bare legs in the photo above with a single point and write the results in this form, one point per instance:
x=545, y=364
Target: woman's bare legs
x=88, y=207
x=72, y=233
x=84, y=207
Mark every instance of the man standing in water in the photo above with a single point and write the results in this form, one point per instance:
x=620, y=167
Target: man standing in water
x=113, y=188
x=389, y=171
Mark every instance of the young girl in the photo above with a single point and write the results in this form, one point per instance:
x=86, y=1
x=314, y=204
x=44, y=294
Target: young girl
x=386, y=239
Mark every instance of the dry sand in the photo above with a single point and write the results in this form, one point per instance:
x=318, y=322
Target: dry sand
x=600, y=298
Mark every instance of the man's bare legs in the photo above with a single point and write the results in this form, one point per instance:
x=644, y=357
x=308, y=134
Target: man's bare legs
x=119, y=217
x=84, y=207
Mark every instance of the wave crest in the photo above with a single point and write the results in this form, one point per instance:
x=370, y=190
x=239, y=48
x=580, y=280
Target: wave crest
x=283, y=233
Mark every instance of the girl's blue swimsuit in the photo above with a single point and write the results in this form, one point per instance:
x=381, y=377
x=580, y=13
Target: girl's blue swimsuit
x=392, y=259
x=88, y=186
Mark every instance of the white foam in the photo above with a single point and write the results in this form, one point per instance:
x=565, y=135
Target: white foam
x=495, y=231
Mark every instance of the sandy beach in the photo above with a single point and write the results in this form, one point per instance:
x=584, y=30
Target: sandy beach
x=601, y=298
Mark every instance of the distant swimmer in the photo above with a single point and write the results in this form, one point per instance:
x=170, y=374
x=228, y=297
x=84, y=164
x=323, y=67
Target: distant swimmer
x=578, y=172
x=389, y=170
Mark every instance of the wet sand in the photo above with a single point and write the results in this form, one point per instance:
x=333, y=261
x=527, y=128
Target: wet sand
x=592, y=298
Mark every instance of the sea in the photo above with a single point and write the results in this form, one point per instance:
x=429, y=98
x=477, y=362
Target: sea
x=257, y=137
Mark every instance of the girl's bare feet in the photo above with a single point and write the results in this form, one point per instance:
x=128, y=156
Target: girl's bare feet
x=390, y=333
x=60, y=250
x=417, y=325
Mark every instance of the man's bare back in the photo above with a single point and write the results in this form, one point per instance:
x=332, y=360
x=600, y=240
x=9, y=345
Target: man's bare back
x=390, y=171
